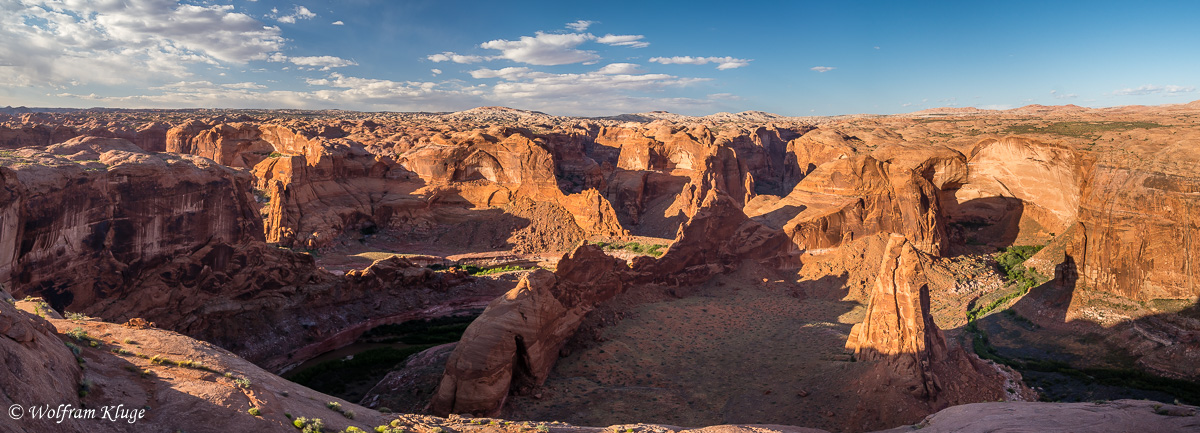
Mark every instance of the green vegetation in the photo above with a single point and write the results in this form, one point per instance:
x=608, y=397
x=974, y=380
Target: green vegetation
x=435, y=331
x=40, y=307
x=242, y=382
x=306, y=425
x=77, y=316
x=337, y=407
x=353, y=429
x=476, y=270
x=85, y=386
x=1012, y=260
x=633, y=247
x=275, y=155
x=333, y=376
x=1090, y=130
x=254, y=411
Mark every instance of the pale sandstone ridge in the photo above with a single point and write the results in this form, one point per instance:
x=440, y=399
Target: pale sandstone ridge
x=916, y=372
x=514, y=343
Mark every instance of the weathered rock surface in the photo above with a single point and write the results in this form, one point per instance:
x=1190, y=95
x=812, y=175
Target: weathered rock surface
x=37, y=370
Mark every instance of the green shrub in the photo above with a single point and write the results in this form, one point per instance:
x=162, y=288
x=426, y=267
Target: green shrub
x=254, y=411
x=242, y=382
x=77, y=316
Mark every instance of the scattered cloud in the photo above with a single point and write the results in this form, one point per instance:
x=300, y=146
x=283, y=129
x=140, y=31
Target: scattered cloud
x=581, y=25
x=1058, y=95
x=298, y=13
x=499, y=73
x=634, y=41
x=334, y=91
x=457, y=58
x=1150, y=89
x=73, y=43
x=436, y=71
x=339, y=23
x=822, y=68
x=620, y=68
x=722, y=62
x=323, y=62
x=591, y=93
x=544, y=49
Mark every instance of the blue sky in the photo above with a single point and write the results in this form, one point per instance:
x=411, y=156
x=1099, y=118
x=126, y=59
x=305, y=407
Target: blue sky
x=792, y=58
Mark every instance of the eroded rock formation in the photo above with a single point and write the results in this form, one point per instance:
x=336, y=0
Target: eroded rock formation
x=512, y=346
x=916, y=372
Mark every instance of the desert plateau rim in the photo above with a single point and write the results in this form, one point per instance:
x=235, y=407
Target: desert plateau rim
x=504, y=270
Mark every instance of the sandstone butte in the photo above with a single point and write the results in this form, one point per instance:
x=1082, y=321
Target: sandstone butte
x=198, y=255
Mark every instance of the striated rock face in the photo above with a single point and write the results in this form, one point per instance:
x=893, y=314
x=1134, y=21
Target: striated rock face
x=1138, y=234
x=512, y=346
x=915, y=373
x=854, y=197
x=122, y=212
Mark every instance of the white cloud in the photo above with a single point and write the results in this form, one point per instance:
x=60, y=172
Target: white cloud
x=1153, y=89
x=822, y=68
x=544, y=49
x=581, y=25
x=722, y=62
x=634, y=41
x=449, y=56
x=339, y=23
x=1058, y=95
x=323, y=62
x=436, y=71
x=592, y=93
x=298, y=13
x=78, y=42
x=620, y=68
x=507, y=73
